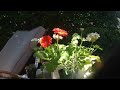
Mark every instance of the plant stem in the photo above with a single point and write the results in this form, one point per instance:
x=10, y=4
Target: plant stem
x=81, y=41
x=91, y=44
x=90, y=48
x=81, y=33
x=81, y=44
x=57, y=42
x=94, y=50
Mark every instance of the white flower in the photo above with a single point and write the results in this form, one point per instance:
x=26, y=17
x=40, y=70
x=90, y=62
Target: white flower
x=92, y=37
x=34, y=40
x=54, y=36
x=88, y=38
x=75, y=42
x=96, y=35
x=60, y=37
x=57, y=36
x=39, y=40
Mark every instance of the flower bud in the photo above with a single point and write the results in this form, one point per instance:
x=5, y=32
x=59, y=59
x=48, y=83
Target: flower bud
x=82, y=29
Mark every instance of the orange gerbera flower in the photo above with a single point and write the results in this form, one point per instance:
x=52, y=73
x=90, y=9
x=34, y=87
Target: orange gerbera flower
x=45, y=41
x=60, y=32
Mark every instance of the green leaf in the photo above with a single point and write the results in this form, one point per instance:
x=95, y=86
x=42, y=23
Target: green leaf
x=83, y=39
x=52, y=65
x=41, y=55
x=76, y=35
x=97, y=58
x=37, y=48
x=74, y=42
x=88, y=62
x=62, y=47
x=97, y=47
x=70, y=49
x=64, y=56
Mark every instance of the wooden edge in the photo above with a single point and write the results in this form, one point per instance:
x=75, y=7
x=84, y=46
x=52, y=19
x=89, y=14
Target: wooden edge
x=8, y=75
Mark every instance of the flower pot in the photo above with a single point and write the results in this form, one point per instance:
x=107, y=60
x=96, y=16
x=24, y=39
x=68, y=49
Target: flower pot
x=76, y=75
x=59, y=73
x=42, y=74
x=55, y=74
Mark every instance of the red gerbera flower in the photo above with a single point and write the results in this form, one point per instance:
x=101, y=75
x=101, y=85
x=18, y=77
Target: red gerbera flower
x=60, y=32
x=45, y=41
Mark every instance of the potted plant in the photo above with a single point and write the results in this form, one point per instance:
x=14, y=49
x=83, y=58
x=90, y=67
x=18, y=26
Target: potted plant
x=75, y=59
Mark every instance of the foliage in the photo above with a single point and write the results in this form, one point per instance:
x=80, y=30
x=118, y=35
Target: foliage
x=72, y=57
